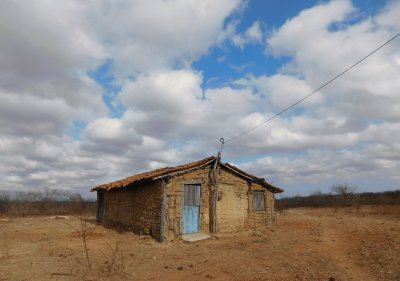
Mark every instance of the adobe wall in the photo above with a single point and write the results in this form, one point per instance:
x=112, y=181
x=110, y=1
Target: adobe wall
x=137, y=209
x=174, y=201
x=259, y=220
x=233, y=202
x=234, y=207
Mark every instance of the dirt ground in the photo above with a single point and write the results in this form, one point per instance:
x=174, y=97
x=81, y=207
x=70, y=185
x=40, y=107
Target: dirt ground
x=307, y=244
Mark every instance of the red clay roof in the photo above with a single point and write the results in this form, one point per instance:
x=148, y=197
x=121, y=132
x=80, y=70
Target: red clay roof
x=153, y=175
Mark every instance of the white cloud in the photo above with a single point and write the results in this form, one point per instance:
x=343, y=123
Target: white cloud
x=43, y=50
x=349, y=128
x=332, y=168
x=47, y=50
x=105, y=129
x=253, y=34
x=319, y=53
x=280, y=91
x=143, y=38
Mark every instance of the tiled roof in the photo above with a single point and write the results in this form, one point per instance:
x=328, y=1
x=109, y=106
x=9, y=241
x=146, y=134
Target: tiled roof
x=169, y=171
x=149, y=176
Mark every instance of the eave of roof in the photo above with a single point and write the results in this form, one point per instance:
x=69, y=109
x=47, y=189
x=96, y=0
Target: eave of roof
x=154, y=175
x=253, y=178
x=172, y=171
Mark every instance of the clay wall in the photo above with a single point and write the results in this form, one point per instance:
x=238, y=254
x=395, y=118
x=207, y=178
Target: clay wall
x=233, y=202
x=137, y=209
x=259, y=220
x=141, y=208
x=234, y=207
x=175, y=200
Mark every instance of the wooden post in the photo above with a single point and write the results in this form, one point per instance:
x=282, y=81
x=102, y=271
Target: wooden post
x=163, y=211
x=214, y=195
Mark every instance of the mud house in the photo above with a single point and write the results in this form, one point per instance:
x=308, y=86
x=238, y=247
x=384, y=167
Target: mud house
x=205, y=196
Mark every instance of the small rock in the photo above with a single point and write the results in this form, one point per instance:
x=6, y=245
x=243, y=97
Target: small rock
x=190, y=265
x=179, y=268
x=331, y=279
x=61, y=218
x=154, y=258
x=166, y=266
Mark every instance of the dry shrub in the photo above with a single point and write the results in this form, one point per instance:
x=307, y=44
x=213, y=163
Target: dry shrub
x=345, y=195
x=114, y=259
x=113, y=262
x=281, y=206
x=343, y=198
x=4, y=201
x=84, y=232
x=5, y=249
x=45, y=202
x=385, y=210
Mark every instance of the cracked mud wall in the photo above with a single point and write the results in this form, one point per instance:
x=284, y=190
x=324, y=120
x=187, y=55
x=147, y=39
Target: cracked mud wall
x=137, y=209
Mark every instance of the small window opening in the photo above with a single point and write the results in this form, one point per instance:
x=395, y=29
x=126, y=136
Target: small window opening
x=259, y=200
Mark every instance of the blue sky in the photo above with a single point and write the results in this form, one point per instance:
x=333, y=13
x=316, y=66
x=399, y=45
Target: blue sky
x=94, y=91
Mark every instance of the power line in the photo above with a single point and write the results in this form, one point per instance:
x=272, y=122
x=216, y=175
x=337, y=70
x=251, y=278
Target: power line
x=312, y=93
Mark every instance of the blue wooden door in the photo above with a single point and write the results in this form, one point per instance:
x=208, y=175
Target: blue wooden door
x=191, y=208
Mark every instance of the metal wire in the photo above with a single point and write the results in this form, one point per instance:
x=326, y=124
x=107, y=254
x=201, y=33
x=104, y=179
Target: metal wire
x=313, y=92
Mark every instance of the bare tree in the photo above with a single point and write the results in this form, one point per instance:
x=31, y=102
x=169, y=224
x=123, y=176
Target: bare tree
x=4, y=201
x=345, y=193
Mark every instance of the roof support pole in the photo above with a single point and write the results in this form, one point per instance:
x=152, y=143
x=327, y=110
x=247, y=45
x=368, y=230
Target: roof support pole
x=214, y=195
x=164, y=204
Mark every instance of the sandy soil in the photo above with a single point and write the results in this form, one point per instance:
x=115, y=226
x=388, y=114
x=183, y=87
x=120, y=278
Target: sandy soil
x=307, y=244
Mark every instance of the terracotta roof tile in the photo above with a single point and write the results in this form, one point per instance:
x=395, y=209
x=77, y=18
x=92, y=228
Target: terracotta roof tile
x=152, y=175
x=148, y=176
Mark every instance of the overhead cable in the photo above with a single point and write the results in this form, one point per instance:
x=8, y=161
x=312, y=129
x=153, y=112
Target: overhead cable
x=313, y=92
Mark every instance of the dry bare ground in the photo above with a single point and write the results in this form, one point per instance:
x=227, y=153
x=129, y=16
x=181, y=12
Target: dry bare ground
x=307, y=244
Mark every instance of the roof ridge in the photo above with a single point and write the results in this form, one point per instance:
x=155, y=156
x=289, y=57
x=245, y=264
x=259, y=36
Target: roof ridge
x=170, y=171
x=152, y=174
x=256, y=179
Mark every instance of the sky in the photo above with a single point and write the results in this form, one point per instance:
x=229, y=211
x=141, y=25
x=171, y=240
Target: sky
x=95, y=91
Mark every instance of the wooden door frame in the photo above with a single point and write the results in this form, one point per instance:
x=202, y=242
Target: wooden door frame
x=183, y=204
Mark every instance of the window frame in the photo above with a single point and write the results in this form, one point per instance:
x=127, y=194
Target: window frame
x=259, y=206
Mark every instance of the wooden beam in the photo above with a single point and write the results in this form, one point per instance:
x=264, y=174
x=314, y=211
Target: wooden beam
x=214, y=195
x=237, y=172
x=183, y=171
x=163, y=211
